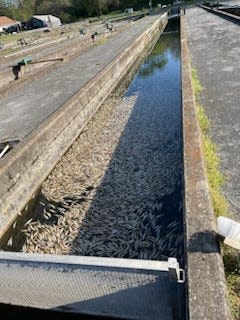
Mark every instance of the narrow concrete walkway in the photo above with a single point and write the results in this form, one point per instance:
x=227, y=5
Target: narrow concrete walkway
x=215, y=49
x=24, y=109
x=54, y=45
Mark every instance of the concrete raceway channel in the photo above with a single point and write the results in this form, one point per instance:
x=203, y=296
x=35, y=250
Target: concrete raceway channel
x=44, y=142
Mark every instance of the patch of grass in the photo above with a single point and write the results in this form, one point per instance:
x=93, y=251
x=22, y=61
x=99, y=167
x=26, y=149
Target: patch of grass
x=210, y=151
x=101, y=41
x=203, y=120
x=231, y=259
x=5, y=52
x=215, y=177
x=196, y=84
x=114, y=14
x=118, y=14
x=220, y=205
x=233, y=281
x=94, y=19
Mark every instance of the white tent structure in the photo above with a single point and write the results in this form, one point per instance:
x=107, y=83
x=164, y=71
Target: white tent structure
x=47, y=20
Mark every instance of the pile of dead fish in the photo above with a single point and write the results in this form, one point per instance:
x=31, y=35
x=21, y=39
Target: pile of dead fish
x=109, y=195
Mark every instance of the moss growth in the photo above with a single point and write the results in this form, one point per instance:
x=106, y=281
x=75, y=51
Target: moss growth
x=220, y=205
x=215, y=177
x=231, y=259
x=196, y=84
x=203, y=120
x=233, y=281
x=212, y=162
x=101, y=41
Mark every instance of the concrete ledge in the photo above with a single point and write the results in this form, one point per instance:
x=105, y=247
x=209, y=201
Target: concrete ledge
x=26, y=167
x=220, y=13
x=207, y=292
x=72, y=49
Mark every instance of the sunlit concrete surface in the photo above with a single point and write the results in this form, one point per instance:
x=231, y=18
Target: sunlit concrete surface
x=215, y=49
x=24, y=109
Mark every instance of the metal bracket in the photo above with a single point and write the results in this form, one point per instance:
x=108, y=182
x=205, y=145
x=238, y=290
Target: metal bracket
x=175, y=273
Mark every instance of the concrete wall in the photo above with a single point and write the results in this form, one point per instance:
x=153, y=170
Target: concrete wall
x=73, y=48
x=223, y=14
x=25, y=168
x=207, y=292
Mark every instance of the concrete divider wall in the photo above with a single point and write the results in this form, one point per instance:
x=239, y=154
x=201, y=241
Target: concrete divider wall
x=26, y=167
x=223, y=14
x=72, y=49
x=207, y=292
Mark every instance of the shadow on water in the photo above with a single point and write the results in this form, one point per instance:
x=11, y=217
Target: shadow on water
x=137, y=208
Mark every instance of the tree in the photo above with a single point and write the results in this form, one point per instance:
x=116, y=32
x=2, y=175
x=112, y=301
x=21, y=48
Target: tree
x=67, y=10
x=21, y=10
x=96, y=7
x=60, y=8
x=51, y=6
x=90, y=7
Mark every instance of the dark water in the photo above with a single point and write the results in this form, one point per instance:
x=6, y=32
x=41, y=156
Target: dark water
x=140, y=197
x=158, y=85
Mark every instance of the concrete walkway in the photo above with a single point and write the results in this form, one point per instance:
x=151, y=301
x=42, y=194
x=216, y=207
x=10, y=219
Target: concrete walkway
x=24, y=109
x=215, y=49
x=46, y=48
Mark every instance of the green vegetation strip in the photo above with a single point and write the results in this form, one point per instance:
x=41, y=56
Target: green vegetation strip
x=212, y=162
x=101, y=41
x=220, y=205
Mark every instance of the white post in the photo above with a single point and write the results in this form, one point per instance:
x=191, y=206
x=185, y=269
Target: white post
x=150, y=4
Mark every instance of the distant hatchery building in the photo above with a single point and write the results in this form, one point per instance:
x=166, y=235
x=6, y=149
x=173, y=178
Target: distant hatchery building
x=6, y=23
x=47, y=20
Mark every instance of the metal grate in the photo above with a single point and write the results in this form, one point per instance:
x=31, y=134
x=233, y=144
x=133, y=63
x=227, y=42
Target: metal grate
x=123, y=288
